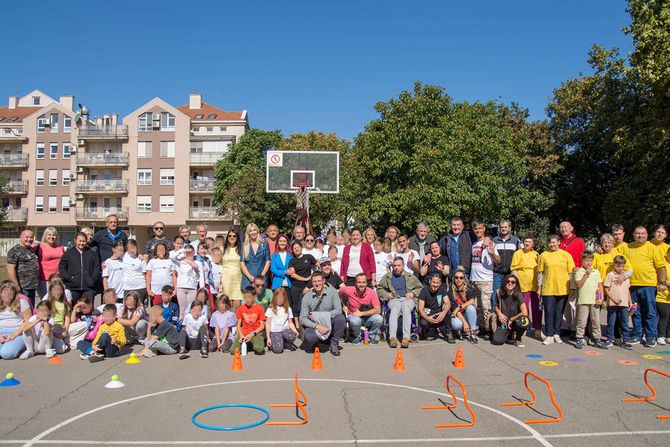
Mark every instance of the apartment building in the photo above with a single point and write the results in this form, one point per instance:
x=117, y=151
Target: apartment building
x=67, y=170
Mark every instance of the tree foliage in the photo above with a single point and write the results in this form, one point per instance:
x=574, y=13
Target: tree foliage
x=4, y=186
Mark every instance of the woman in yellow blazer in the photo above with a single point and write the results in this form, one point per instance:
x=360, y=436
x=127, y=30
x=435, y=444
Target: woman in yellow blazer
x=524, y=267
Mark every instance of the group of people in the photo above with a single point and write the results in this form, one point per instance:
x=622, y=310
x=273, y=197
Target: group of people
x=265, y=291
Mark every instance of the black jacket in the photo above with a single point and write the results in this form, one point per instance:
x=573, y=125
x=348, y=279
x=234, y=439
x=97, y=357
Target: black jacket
x=464, y=248
x=414, y=244
x=80, y=271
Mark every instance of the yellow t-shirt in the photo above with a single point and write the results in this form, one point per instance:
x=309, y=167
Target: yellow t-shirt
x=620, y=247
x=664, y=296
x=556, y=267
x=524, y=266
x=58, y=313
x=645, y=259
x=115, y=330
x=604, y=262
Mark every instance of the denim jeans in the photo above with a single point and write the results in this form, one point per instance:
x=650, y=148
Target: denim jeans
x=108, y=348
x=497, y=284
x=11, y=349
x=372, y=322
x=617, y=314
x=553, y=313
x=470, y=315
x=645, y=315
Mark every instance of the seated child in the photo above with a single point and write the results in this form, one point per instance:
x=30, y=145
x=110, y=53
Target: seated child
x=56, y=277
x=109, y=296
x=250, y=324
x=109, y=340
x=60, y=309
x=223, y=323
x=162, y=336
x=280, y=330
x=38, y=334
x=202, y=297
x=134, y=318
x=169, y=308
x=84, y=322
x=194, y=332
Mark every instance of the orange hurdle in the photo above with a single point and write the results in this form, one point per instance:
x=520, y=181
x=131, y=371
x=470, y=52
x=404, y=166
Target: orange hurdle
x=454, y=405
x=651, y=388
x=299, y=406
x=534, y=399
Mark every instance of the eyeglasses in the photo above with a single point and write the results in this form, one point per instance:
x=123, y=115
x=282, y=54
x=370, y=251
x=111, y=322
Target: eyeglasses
x=259, y=285
x=459, y=277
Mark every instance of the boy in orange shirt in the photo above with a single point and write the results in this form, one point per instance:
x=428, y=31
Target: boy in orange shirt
x=250, y=323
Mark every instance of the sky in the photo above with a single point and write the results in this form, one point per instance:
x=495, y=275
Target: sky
x=301, y=65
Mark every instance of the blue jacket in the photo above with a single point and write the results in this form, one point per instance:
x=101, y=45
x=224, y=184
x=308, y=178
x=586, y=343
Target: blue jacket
x=171, y=314
x=278, y=270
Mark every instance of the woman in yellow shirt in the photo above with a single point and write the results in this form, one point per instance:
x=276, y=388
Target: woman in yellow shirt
x=524, y=267
x=663, y=296
x=554, y=270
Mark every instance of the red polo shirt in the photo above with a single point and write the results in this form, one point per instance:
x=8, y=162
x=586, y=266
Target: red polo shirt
x=575, y=246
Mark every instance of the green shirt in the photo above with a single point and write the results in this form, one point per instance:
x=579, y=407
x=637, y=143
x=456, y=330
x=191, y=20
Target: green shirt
x=587, y=292
x=265, y=299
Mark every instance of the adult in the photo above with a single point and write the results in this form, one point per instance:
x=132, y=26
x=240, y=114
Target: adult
x=571, y=243
x=369, y=236
x=298, y=234
x=321, y=316
x=660, y=234
x=400, y=289
x=300, y=269
x=524, y=267
x=463, y=304
x=89, y=235
x=263, y=294
x=201, y=230
x=358, y=258
x=104, y=239
x=603, y=261
x=554, y=269
x=421, y=240
x=392, y=233
x=363, y=308
x=330, y=275
x=506, y=245
x=411, y=257
x=80, y=269
x=484, y=256
x=185, y=233
x=13, y=313
x=649, y=276
x=511, y=310
x=309, y=247
x=271, y=235
x=254, y=256
x=434, y=263
x=23, y=266
x=48, y=253
x=231, y=273
x=280, y=263
x=457, y=246
x=619, y=235
x=159, y=236
x=435, y=311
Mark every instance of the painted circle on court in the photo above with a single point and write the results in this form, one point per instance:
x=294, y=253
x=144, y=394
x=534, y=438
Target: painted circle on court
x=575, y=360
x=628, y=362
x=548, y=363
x=664, y=352
x=652, y=357
x=534, y=356
x=593, y=353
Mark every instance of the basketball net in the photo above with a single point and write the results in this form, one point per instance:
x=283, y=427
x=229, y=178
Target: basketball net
x=302, y=205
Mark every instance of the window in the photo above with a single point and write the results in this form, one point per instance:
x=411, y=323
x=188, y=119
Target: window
x=39, y=204
x=167, y=149
x=65, y=204
x=53, y=177
x=199, y=117
x=39, y=177
x=67, y=124
x=143, y=204
x=36, y=100
x=144, y=177
x=54, y=122
x=40, y=151
x=66, y=177
x=223, y=129
x=210, y=129
x=212, y=116
x=2, y=118
x=41, y=122
x=145, y=123
x=53, y=204
x=144, y=149
x=167, y=121
x=66, y=151
x=167, y=176
x=167, y=204
x=53, y=151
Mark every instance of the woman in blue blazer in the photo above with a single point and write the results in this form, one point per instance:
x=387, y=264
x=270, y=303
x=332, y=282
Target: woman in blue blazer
x=279, y=264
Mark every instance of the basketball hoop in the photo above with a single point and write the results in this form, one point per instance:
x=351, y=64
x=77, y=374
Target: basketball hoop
x=302, y=205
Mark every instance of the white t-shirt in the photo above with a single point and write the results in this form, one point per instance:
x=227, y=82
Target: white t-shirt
x=161, y=273
x=336, y=266
x=383, y=261
x=114, y=271
x=134, y=269
x=68, y=296
x=405, y=257
x=354, y=261
x=187, y=276
x=192, y=325
x=279, y=320
x=481, y=268
x=282, y=256
x=119, y=308
x=13, y=320
x=318, y=254
x=38, y=329
x=216, y=277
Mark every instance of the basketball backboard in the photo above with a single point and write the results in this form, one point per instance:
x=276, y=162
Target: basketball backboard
x=316, y=171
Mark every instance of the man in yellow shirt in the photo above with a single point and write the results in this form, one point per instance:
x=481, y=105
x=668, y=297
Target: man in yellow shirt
x=619, y=235
x=648, y=275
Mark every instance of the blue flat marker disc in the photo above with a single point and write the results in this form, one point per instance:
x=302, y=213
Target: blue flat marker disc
x=534, y=356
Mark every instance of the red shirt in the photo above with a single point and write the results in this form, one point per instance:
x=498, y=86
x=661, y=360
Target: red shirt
x=354, y=300
x=575, y=246
x=250, y=317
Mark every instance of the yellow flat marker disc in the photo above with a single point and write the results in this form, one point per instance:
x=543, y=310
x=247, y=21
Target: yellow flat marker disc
x=548, y=363
x=652, y=357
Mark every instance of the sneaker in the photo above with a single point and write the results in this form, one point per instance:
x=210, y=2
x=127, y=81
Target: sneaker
x=95, y=358
x=405, y=343
x=618, y=342
x=26, y=355
x=335, y=351
x=184, y=355
x=357, y=340
x=627, y=346
x=548, y=341
x=83, y=356
x=393, y=342
x=431, y=337
x=557, y=339
x=602, y=345
x=472, y=338
x=530, y=332
x=542, y=336
x=579, y=343
x=450, y=338
x=374, y=340
x=644, y=339
x=651, y=343
x=519, y=344
x=608, y=344
x=51, y=353
x=487, y=337
x=661, y=341
x=204, y=354
x=634, y=341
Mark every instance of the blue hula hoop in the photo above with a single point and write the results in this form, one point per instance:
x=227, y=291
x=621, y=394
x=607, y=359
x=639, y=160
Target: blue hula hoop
x=234, y=427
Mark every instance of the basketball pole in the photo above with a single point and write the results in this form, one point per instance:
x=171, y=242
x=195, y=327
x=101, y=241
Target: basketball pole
x=302, y=206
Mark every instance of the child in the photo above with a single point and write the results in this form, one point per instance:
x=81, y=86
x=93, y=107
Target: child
x=60, y=309
x=187, y=278
x=84, y=322
x=56, y=277
x=110, y=338
x=617, y=290
x=383, y=260
x=663, y=306
x=109, y=296
x=334, y=258
x=134, y=272
x=162, y=336
x=160, y=272
x=113, y=272
x=280, y=330
x=219, y=240
x=216, y=255
x=589, y=298
x=169, y=308
x=134, y=318
x=38, y=334
x=202, y=297
x=194, y=333
x=223, y=323
x=250, y=323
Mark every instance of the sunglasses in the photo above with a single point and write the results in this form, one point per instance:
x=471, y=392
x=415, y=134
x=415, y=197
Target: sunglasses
x=234, y=236
x=159, y=228
x=459, y=277
x=510, y=281
x=309, y=240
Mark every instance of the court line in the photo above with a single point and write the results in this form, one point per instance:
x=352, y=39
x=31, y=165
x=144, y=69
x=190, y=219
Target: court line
x=534, y=433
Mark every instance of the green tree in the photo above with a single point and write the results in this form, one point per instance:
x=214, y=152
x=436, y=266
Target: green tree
x=4, y=186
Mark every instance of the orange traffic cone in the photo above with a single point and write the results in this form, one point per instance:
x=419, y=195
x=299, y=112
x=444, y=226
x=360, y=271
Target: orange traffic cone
x=316, y=360
x=458, y=361
x=55, y=359
x=237, y=361
x=399, y=362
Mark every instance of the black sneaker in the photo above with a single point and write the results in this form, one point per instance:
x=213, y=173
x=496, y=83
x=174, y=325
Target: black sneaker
x=450, y=338
x=487, y=337
x=184, y=356
x=651, y=343
x=204, y=354
x=94, y=358
x=334, y=350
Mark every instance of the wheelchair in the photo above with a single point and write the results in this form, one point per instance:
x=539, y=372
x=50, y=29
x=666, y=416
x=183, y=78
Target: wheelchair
x=384, y=335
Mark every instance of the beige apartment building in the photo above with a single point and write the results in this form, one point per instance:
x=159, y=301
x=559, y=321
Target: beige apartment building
x=69, y=171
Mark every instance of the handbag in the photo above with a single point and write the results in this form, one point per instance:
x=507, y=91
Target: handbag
x=500, y=335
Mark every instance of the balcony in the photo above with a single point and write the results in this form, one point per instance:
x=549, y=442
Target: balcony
x=202, y=186
x=118, y=159
x=16, y=215
x=102, y=186
x=205, y=158
x=17, y=188
x=201, y=213
x=12, y=136
x=9, y=161
x=104, y=133
x=100, y=214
